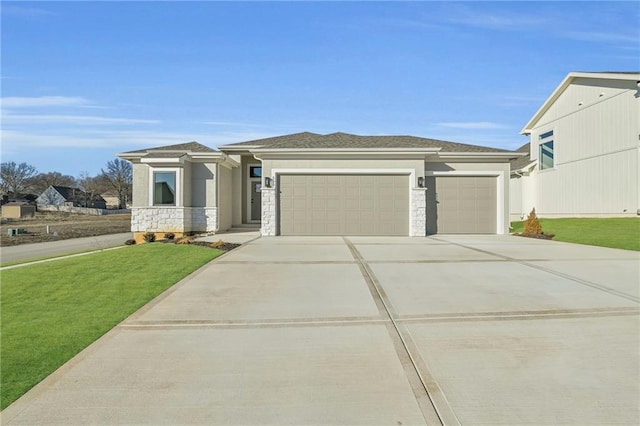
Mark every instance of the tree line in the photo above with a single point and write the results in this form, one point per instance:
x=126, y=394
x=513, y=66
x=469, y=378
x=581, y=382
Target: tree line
x=22, y=178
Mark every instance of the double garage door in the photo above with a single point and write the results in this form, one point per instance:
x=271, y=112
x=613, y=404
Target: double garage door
x=345, y=204
x=350, y=204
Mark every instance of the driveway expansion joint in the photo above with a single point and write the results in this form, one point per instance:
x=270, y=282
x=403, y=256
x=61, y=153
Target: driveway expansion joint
x=429, y=396
x=521, y=315
x=271, y=323
x=550, y=271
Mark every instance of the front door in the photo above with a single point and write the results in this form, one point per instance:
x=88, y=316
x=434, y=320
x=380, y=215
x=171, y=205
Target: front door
x=256, y=200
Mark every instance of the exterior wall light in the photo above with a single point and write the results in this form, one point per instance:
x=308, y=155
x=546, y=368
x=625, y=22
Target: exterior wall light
x=267, y=182
x=420, y=181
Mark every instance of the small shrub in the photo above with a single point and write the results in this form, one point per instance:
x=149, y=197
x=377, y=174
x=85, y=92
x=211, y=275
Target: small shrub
x=149, y=237
x=169, y=235
x=218, y=244
x=532, y=225
x=130, y=242
x=183, y=240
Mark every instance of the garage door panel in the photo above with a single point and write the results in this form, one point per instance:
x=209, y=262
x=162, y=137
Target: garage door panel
x=347, y=205
x=466, y=204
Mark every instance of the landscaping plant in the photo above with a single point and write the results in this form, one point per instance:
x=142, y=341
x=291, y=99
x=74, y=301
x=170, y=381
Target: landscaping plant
x=532, y=225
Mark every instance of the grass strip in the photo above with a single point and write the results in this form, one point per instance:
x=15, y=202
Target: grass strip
x=51, y=311
x=616, y=232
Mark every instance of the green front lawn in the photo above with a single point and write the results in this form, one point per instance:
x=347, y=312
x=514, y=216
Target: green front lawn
x=616, y=232
x=51, y=311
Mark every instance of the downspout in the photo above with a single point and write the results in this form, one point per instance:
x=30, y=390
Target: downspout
x=217, y=195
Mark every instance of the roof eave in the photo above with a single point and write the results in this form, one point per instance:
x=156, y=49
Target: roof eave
x=527, y=129
x=345, y=150
x=484, y=155
x=525, y=169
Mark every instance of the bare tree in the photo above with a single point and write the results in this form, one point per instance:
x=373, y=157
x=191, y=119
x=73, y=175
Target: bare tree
x=44, y=180
x=91, y=186
x=119, y=174
x=16, y=178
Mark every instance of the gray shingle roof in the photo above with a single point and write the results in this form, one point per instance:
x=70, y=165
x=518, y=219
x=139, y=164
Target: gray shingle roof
x=73, y=194
x=344, y=140
x=186, y=147
x=519, y=163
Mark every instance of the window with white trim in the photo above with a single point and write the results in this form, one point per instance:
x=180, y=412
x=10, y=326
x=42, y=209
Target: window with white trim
x=164, y=188
x=546, y=154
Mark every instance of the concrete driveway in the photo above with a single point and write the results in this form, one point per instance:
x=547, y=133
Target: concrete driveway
x=366, y=330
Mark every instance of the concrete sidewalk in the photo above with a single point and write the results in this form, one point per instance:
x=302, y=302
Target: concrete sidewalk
x=54, y=248
x=368, y=330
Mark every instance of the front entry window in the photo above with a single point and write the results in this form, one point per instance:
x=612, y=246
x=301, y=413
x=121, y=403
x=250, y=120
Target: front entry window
x=164, y=189
x=255, y=171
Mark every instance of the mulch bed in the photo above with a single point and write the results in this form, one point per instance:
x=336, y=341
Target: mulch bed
x=538, y=236
x=220, y=245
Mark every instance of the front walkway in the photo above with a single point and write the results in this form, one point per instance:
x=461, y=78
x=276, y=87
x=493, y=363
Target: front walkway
x=367, y=330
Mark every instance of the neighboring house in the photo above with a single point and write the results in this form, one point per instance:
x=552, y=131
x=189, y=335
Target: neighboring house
x=18, y=210
x=65, y=196
x=18, y=198
x=112, y=200
x=584, y=150
x=312, y=184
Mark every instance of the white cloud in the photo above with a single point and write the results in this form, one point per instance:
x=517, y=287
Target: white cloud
x=75, y=119
x=496, y=21
x=603, y=37
x=13, y=10
x=43, y=101
x=231, y=124
x=125, y=140
x=473, y=125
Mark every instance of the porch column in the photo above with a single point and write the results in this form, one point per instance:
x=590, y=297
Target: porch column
x=269, y=225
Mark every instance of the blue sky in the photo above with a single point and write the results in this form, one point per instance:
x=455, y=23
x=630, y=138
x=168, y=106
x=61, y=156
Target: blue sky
x=82, y=81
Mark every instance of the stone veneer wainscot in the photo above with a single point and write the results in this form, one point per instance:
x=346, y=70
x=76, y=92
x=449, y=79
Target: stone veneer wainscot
x=174, y=219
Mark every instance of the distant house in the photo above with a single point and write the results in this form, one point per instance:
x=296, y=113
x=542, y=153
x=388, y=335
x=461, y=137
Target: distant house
x=10, y=197
x=111, y=199
x=65, y=196
x=18, y=210
x=584, y=150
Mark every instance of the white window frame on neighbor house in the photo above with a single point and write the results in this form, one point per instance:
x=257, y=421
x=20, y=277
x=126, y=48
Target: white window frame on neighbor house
x=499, y=175
x=152, y=187
x=545, y=140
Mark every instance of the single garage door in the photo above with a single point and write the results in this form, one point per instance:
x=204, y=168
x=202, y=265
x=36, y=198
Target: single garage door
x=466, y=204
x=344, y=204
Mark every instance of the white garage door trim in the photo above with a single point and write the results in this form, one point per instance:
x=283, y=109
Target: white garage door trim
x=500, y=217
x=411, y=173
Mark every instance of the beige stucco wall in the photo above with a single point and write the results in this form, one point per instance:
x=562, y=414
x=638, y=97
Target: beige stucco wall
x=140, y=185
x=225, y=196
x=236, y=188
x=203, y=190
x=414, y=165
